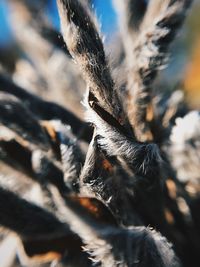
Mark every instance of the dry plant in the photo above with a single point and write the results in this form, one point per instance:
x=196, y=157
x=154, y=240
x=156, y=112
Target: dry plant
x=120, y=188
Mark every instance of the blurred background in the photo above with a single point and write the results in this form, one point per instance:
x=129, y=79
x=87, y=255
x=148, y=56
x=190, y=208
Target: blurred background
x=33, y=55
x=183, y=71
x=103, y=8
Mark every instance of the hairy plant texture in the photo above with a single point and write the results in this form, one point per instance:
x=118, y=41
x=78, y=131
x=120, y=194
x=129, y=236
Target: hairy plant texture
x=119, y=188
x=150, y=55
